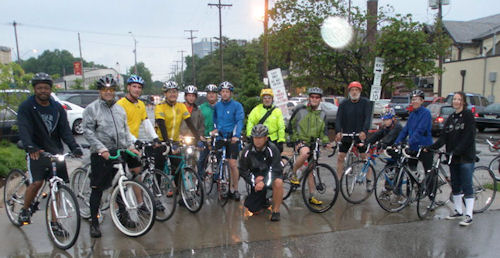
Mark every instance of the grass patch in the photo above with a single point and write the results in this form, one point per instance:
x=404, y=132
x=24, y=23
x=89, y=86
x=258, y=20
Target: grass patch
x=490, y=186
x=11, y=157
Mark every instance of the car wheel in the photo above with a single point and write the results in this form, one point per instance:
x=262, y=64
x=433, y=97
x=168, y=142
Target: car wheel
x=77, y=127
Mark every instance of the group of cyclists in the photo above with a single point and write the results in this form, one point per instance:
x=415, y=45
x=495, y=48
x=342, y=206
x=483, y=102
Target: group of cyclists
x=110, y=125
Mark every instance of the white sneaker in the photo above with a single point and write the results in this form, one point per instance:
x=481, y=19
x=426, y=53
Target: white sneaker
x=466, y=222
x=455, y=215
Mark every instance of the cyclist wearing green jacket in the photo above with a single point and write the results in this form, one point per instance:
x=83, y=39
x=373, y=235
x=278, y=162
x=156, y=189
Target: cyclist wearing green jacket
x=308, y=123
x=207, y=111
x=274, y=121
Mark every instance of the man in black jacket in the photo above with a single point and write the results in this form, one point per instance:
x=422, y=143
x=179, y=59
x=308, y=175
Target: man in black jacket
x=353, y=116
x=42, y=125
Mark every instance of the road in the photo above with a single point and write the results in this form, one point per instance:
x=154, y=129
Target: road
x=345, y=231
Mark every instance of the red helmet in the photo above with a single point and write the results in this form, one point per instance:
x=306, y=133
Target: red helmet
x=355, y=84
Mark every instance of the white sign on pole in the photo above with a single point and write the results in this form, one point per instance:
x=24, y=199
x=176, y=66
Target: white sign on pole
x=379, y=65
x=378, y=70
x=375, y=93
x=278, y=86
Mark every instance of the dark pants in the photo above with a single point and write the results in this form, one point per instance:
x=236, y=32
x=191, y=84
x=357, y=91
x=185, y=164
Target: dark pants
x=160, y=161
x=425, y=158
x=461, y=179
x=202, y=162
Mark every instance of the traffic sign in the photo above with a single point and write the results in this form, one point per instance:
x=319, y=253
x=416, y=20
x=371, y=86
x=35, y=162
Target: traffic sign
x=375, y=93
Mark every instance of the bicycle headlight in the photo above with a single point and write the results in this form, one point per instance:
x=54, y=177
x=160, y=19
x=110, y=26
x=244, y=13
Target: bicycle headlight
x=188, y=140
x=60, y=158
x=189, y=150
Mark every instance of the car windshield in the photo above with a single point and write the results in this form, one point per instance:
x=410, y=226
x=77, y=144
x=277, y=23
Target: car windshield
x=447, y=110
x=494, y=108
x=64, y=96
x=399, y=100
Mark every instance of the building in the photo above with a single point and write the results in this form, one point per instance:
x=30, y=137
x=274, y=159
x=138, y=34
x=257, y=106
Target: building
x=473, y=64
x=91, y=75
x=205, y=47
x=5, y=55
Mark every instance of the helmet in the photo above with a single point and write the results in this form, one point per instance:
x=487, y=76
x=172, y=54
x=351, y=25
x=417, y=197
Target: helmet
x=259, y=130
x=106, y=82
x=315, y=90
x=417, y=93
x=388, y=113
x=355, y=84
x=41, y=78
x=266, y=92
x=226, y=85
x=135, y=79
x=211, y=88
x=191, y=89
x=169, y=85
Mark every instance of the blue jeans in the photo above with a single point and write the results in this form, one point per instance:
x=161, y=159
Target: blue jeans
x=461, y=179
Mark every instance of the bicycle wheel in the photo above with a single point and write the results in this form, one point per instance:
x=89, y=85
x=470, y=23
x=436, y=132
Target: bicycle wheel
x=485, y=188
x=192, y=190
x=163, y=189
x=288, y=187
x=13, y=194
x=426, y=196
x=80, y=184
x=208, y=178
x=393, y=188
x=223, y=185
x=356, y=183
x=320, y=183
x=495, y=167
x=129, y=216
x=62, y=217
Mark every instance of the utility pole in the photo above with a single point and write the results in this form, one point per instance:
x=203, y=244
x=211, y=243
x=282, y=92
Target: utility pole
x=192, y=54
x=81, y=60
x=440, y=23
x=266, y=39
x=182, y=66
x=177, y=70
x=220, y=6
x=17, y=42
x=135, y=52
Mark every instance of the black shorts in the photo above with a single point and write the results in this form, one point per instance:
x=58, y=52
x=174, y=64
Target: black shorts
x=103, y=171
x=232, y=149
x=41, y=169
x=346, y=144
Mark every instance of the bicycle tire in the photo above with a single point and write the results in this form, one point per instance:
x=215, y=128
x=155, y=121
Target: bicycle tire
x=192, y=190
x=426, y=196
x=494, y=166
x=67, y=209
x=485, y=188
x=223, y=185
x=80, y=184
x=163, y=189
x=389, y=197
x=355, y=176
x=288, y=187
x=208, y=178
x=13, y=194
x=327, y=177
x=133, y=227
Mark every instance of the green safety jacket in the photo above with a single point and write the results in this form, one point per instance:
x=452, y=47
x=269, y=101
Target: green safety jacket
x=274, y=123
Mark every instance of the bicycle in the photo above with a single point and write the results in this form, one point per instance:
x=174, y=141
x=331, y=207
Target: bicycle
x=221, y=175
x=353, y=153
x=318, y=179
x=62, y=215
x=130, y=216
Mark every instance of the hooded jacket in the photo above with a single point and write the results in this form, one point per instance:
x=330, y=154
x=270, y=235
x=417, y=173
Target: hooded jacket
x=198, y=122
x=418, y=129
x=228, y=118
x=309, y=124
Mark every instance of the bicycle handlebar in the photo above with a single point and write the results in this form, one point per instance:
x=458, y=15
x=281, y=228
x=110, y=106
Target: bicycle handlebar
x=118, y=154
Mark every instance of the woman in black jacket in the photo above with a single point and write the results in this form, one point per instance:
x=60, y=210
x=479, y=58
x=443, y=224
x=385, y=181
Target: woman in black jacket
x=459, y=135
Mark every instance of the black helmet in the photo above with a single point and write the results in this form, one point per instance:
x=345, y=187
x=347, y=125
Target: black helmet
x=106, y=82
x=259, y=130
x=211, y=88
x=41, y=78
x=417, y=93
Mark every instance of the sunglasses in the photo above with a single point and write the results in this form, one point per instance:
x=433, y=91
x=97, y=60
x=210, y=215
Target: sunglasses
x=314, y=97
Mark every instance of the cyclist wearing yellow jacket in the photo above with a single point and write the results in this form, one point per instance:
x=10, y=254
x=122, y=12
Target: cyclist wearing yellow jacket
x=274, y=122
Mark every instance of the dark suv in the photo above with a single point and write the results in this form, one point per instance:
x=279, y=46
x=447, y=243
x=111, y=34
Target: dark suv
x=475, y=102
x=401, y=105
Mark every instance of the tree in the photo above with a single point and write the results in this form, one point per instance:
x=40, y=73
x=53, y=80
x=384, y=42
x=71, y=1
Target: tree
x=249, y=90
x=78, y=85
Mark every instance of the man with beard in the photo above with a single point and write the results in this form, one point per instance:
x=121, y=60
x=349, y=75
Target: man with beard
x=42, y=125
x=353, y=116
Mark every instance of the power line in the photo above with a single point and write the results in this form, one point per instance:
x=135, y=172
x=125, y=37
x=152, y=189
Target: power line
x=192, y=54
x=221, y=46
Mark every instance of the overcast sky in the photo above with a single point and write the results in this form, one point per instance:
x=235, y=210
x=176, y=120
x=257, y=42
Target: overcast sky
x=159, y=26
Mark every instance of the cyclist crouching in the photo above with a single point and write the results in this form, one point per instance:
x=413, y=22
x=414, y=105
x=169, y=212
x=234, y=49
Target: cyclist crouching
x=260, y=166
x=106, y=130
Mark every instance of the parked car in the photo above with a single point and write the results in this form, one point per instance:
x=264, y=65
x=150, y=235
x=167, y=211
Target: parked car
x=81, y=98
x=330, y=110
x=432, y=100
x=489, y=117
x=380, y=106
x=475, y=102
x=401, y=105
x=439, y=113
x=74, y=113
x=13, y=97
x=8, y=122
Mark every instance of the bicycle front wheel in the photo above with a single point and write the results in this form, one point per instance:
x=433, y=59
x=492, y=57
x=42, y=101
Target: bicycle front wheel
x=208, y=178
x=495, y=167
x=62, y=217
x=393, y=188
x=13, y=194
x=288, y=187
x=132, y=212
x=484, y=186
x=192, y=190
x=356, y=183
x=223, y=184
x=80, y=184
x=320, y=188
x=164, y=192
x=426, y=196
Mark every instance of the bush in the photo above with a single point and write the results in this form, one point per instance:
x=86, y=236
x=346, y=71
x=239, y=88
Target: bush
x=11, y=157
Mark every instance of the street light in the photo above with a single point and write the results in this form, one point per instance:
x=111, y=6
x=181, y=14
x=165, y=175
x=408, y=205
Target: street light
x=135, y=52
x=34, y=51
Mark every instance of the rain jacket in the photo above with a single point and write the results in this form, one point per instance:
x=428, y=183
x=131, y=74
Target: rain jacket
x=418, y=129
x=105, y=127
x=309, y=124
x=207, y=111
x=274, y=123
x=228, y=118
x=197, y=120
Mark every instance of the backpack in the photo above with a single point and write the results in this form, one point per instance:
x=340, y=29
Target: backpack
x=289, y=126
